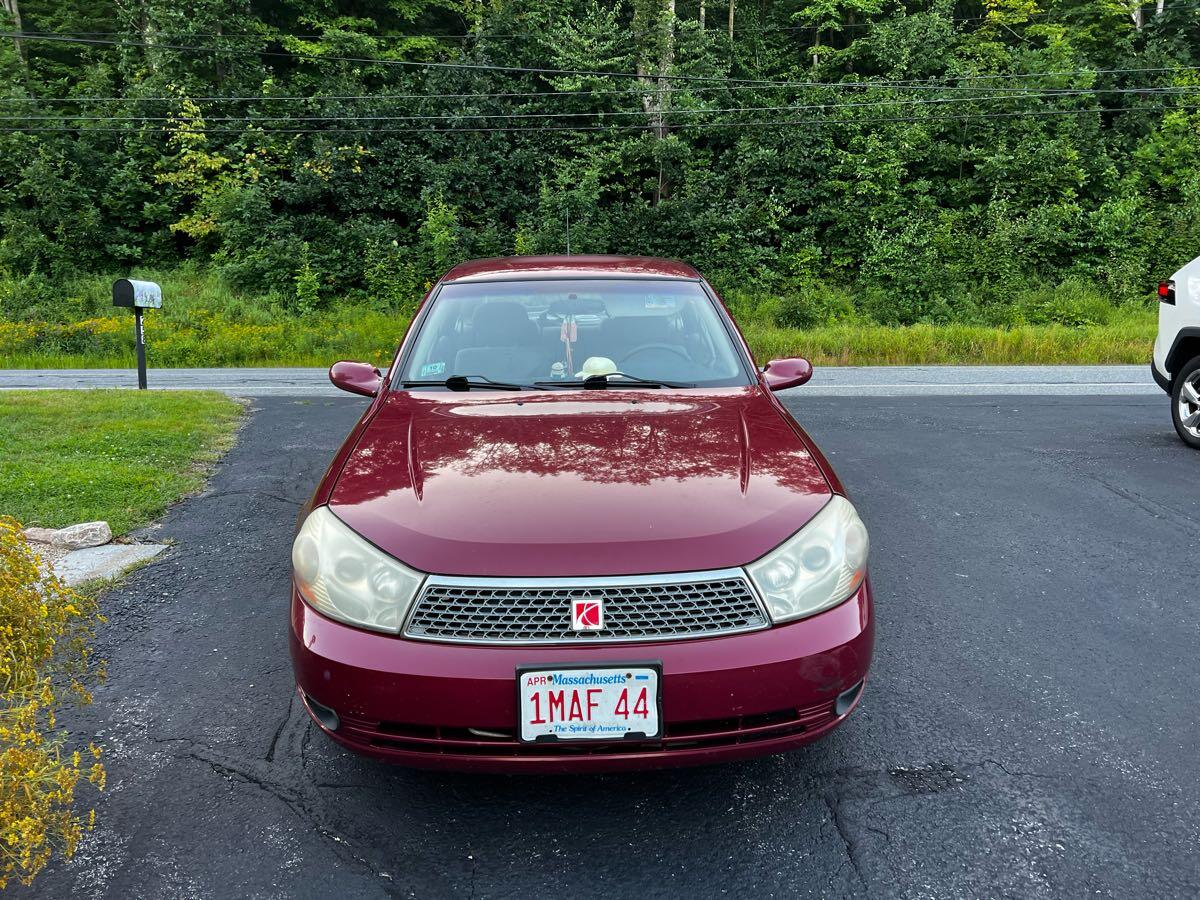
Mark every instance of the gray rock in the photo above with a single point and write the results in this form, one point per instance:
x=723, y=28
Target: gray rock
x=103, y=562
x=40, y=535
x=85, y=534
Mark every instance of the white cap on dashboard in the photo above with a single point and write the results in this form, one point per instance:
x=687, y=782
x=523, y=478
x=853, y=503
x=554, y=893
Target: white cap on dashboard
x=597, y=365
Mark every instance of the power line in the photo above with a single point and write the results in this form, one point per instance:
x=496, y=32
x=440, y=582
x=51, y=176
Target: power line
x=515, y=95
x=516, y=70
x=1114, y=12
x=967, y=117
x=897, y=15
x=534, y=70
x=255, y=98
x=612, y=92
x=470, y=95
x=183, y=120
x=268, y=36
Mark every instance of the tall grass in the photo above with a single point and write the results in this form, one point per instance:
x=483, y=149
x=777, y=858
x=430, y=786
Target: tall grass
x=205, y=322
x=1129, y=339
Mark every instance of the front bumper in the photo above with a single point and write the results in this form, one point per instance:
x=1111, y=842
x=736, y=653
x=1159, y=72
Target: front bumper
x=453, y=706
x=1163, y=381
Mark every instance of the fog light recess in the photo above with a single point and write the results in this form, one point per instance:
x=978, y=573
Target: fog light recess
x=327, y=717
x=846, y=699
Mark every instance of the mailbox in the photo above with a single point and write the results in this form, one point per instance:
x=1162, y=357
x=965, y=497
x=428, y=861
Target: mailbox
x=138, y=294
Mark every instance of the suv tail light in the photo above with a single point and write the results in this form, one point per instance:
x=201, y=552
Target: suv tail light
x=1166, y=292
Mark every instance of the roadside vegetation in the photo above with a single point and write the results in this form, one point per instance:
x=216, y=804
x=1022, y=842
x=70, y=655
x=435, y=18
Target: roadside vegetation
x=864, y=182
x=1126, y=337
x=46, y=664
x=120, y=456
x=205, y=323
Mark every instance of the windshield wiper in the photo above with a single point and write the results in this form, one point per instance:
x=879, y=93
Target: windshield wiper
x=466, y=382
x=600, y=382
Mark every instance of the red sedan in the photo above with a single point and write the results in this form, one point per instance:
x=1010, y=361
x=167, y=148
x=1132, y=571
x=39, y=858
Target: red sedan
x=575, y=530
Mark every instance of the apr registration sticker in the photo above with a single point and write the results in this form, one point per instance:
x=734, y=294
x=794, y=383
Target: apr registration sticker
x=603, y=703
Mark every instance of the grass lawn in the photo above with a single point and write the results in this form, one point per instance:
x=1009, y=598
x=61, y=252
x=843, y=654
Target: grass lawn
x=121, y=456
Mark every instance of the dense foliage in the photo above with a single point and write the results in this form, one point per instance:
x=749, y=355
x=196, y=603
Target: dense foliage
x=1002, y=163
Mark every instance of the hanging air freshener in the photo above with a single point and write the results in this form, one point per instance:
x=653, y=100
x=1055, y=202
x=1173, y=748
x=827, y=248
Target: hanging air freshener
x=569, y=334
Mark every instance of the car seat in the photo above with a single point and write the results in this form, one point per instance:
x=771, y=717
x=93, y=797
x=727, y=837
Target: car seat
x=502, y=344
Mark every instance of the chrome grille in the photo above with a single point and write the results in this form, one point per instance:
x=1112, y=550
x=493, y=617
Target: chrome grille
x=649, y=607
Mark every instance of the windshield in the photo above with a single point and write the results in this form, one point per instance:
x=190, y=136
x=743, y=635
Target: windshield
x=566, y=330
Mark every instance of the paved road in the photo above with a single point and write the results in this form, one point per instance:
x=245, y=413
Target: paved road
x=1030, y=729
x=877, y=381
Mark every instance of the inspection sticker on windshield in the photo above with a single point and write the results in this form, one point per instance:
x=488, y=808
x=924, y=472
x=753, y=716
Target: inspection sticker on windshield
x=571, y=703
x=437, y=368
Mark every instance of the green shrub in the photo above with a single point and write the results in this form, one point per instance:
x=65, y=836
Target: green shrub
x=1073, y=303
x=308, y=285
x=813, y=305
x=903, y=279
x=441, y=234
x=392, y=281
x=46, y=663
x=33, y=297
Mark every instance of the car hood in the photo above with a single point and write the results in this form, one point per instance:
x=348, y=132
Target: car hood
x=578, y=483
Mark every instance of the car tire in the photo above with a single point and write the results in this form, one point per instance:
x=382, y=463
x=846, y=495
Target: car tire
x=1183, y=405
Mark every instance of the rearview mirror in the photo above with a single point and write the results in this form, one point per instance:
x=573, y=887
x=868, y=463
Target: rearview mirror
x=786, y=373
x=356, y=377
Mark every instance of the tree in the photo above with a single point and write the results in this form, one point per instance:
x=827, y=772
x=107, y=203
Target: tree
x=13, y=9
x=833, y=16
x=654, y=27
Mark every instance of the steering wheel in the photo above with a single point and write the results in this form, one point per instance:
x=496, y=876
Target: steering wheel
x=664, y=348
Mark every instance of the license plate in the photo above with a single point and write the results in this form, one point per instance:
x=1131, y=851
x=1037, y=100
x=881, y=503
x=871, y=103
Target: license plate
x=593, y=703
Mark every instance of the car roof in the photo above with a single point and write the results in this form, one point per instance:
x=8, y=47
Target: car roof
x=583, y=266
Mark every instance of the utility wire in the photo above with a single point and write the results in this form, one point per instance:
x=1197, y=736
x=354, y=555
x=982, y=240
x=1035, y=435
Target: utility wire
x=677, y=111
x=534, y=70
x=475, y=95
x=537, y=95
x=967, y=117
x=518, y=70
x=266, y=98
x=897, y=15
x=1111, y=12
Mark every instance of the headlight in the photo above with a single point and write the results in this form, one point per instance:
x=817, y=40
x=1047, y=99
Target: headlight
x=818, y=567
x=344, y=577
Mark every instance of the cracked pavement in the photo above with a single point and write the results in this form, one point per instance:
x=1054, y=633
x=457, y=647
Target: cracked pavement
x=1029, y=729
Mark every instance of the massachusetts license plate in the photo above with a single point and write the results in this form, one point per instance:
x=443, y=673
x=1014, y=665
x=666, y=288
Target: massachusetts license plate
x=608, y=703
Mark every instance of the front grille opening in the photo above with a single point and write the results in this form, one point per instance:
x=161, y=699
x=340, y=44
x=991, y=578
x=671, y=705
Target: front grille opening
x=678, y=736
x=632, y=611
x=406, y=730
x=734, y=724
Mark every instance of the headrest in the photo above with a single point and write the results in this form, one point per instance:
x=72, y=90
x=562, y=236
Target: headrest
x=502, y=323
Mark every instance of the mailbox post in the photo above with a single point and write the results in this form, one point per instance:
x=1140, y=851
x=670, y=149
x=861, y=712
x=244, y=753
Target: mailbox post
x=138, y=295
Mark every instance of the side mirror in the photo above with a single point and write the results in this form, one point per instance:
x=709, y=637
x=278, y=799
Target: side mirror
x=787, y=373
x=356, y=377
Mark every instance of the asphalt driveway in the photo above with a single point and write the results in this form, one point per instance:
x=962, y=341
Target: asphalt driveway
x=1030, y=728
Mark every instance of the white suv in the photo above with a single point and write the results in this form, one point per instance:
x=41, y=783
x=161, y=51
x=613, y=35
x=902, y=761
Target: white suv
x=1176, y=364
